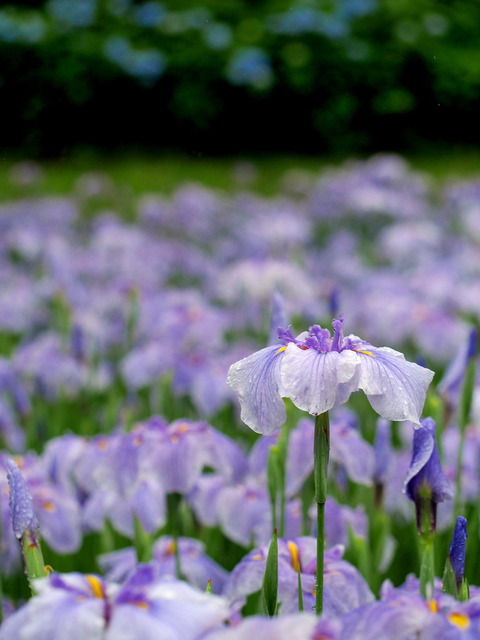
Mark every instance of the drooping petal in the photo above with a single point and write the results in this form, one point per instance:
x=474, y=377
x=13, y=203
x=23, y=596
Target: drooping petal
x=423, y=446
x=395, y=388
x=256, y=381
x=425, y=468
x=315, y=381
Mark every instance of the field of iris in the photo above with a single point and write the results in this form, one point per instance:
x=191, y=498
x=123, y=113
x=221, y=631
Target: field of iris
x=155, y=505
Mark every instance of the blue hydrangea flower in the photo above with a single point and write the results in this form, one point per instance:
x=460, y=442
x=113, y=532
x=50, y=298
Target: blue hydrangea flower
x=319, y=372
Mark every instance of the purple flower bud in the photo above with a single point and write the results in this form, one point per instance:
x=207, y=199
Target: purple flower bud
x=458, y=548
x=425, y=482
x=21, y=506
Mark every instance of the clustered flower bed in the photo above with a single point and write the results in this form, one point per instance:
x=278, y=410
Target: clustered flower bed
x=160, y=514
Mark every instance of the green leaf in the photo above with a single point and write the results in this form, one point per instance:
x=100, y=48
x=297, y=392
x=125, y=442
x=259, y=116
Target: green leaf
x=464, y=591
x=270, y=578
x=449, y=581
x=467, y=394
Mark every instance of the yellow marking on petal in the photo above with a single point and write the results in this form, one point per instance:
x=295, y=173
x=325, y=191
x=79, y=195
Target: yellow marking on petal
x=257, y=556
x=294, y=556
x=170, y=548
x=102, y=444
x=49, y=506
x=18, y=461
x=141, y=604
x=95, y=585
x=178, y=431
x=460, y=620
x=332, y=572
x=367, y=353
x=432, y=605
x=280, y=350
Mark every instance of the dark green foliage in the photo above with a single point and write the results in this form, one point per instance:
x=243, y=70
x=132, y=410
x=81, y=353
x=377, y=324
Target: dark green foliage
x=222, y=77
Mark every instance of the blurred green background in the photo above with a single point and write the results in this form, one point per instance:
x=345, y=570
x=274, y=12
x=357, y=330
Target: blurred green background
x=215, y=77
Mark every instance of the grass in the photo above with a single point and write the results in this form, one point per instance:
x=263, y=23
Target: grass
x=159, y=173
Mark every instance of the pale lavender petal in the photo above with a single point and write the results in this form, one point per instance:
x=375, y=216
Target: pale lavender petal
x=316, y=382
x=395, y=388
x=295, y=626
x=256, y=381
x=57, y=613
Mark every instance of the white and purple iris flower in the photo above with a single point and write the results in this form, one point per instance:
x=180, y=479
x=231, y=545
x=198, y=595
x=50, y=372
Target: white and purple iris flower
x=319, y=372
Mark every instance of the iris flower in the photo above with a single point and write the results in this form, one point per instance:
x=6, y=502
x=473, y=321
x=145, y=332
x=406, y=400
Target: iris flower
x=318, y=372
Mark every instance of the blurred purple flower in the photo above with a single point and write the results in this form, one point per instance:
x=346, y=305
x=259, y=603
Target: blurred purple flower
x=77, y=606
x=403, y=613
x=294, y=626
x=345, y=589
x=196, y=567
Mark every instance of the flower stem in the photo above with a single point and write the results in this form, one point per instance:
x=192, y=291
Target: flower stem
x=427, y=567
x=426, y=519
x=321, y=452
x=33, y=558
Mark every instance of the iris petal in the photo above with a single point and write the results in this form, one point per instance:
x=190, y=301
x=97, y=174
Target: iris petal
x=316, y=382
x=256, y=381
x=395, y=388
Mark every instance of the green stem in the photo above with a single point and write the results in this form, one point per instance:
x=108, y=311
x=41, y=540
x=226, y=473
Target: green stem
x=321, y=452
x=300, y=589
x=426, y=518
x=173, y=509
x=427, y=567
x=33, y=558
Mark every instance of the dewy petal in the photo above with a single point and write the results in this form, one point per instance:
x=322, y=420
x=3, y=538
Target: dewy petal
x=425, y=469
x=256, y=381
x=395, y=388
x=424, y=443
x=316, y=382
x=458, y=547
